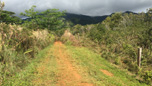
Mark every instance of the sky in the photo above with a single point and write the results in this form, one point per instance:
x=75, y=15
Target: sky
x=85, y=7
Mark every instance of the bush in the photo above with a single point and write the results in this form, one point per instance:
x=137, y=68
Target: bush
x=19, y=46
x=147, y=76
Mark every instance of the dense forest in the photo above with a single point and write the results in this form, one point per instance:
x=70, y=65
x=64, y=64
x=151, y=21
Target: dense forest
x=117, y=39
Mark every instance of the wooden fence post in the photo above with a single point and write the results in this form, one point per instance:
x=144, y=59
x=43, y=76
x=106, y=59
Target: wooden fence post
x=139, y=57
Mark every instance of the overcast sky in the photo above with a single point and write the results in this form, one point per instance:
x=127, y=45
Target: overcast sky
x=86, y=7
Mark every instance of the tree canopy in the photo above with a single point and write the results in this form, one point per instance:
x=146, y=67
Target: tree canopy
x=8, y=16
x=51, y=19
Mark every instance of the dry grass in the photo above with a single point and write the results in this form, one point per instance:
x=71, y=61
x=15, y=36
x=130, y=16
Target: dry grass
x=68, y=36
x=20, y=46
x=41, y=34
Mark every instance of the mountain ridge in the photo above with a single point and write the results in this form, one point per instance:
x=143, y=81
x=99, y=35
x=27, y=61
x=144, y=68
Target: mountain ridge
x=85, y=19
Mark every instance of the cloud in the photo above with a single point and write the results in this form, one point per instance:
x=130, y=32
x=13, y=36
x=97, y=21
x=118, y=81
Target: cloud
x=87, y=7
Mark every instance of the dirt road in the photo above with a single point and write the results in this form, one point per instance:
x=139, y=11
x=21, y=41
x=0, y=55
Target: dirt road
x=67, y=74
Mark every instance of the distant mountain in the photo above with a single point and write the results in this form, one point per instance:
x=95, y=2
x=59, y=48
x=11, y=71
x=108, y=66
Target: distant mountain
x=79, y=19
x=83, y=19
x=130, y=12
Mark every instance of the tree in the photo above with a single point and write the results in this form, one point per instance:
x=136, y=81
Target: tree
x=8, y=16
x=115, y=20
x=50, y=19
x=32, y=14
x=148, y=16
x=2, y=4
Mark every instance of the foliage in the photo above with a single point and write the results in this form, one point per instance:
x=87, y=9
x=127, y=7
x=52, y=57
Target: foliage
x=114, y=20
x=19, y=46
x=50, y=19
x=31, y=13
x=2, y=4
x=97, y=33
x=8, y=16
x=118, y=38
x=25, y=77
x=148, y=77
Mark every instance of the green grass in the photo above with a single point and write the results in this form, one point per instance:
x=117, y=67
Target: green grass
x=92, y=63
x=47, y=72
x=86, y=61
x=25, y=77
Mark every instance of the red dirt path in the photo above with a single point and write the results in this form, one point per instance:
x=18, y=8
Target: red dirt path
x=106, y=72
x=68, y=74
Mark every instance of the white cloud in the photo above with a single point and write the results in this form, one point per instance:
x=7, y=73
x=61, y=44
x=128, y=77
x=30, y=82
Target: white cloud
x=89, y=7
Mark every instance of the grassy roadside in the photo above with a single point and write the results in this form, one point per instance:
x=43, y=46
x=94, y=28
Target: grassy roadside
x=43, y=71
x=101, y=72
x=25, y=77
x=46, y=72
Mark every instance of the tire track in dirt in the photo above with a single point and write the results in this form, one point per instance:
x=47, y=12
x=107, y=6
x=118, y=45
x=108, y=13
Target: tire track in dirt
x=68, y=74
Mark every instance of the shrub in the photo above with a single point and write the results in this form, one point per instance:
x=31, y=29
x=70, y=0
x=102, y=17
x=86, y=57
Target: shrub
x=147, y=76
x=19, y=46
x=68, y=38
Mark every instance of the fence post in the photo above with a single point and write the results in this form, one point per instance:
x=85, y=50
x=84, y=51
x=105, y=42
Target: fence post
x=139, y=57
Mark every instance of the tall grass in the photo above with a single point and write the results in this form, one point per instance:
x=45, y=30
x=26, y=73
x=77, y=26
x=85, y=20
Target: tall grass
x=19, y=46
